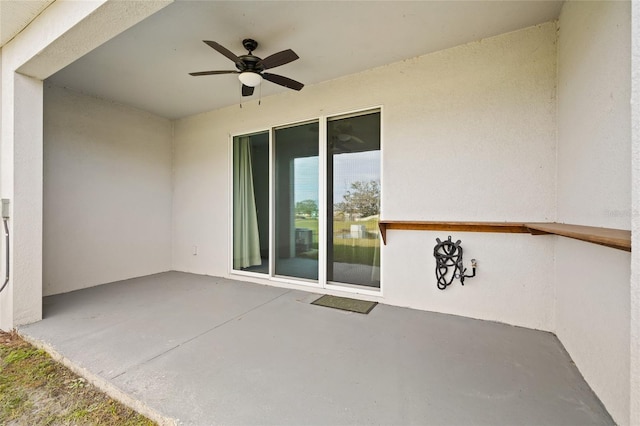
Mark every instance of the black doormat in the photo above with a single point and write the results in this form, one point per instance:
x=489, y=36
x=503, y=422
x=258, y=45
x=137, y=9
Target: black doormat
x=346, y=304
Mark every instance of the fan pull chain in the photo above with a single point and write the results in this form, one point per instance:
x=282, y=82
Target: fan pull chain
x=260, y=95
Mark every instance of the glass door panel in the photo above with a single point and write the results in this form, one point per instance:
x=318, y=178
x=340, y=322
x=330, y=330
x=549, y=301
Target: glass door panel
x=353, y=200
x=251, y=203
x=296, y=201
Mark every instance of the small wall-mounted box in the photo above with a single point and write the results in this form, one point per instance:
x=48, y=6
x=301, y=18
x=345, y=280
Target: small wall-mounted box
x=5, y=208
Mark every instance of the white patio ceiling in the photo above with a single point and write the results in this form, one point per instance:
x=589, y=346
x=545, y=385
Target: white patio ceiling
x=147, y=66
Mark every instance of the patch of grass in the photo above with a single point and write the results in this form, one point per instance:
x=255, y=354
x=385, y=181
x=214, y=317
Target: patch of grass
x=20, y=355
x=356, y=255
x=339, y=226
x=346, y=249
x=371, y=224
x=35, y=390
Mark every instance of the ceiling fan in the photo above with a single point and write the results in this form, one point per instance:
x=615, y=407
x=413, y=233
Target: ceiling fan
x=250, y=68
x=343, y=131
x=341, y=136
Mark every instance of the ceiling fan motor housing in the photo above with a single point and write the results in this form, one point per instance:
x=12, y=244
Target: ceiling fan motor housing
x=249, y=63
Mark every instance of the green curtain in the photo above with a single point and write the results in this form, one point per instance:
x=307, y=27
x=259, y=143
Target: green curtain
x=246, y=240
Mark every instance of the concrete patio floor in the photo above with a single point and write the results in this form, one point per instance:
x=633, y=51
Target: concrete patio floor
x=208, y=350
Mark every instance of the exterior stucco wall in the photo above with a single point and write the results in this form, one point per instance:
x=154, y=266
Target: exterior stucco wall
x=468, y=134
x=6, y=310
x=594, y=188
x=107, y=192
x=634, y=371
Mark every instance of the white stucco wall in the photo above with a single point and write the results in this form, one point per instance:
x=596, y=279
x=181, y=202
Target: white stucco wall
x=107, y=192
x=594, y=68
x=634, y=370
x=594, y=188
x=468, y=134
x=6, y=308
x=22, y=185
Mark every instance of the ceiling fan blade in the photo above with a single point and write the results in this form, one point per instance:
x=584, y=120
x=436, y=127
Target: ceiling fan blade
x=247, y=90
x=283, y=81
x=212, y=73
x=278, y=59
x=222, y=50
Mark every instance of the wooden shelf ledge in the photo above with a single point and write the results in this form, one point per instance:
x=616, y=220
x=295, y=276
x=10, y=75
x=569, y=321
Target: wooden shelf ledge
x=505, y=227
x=614, y=238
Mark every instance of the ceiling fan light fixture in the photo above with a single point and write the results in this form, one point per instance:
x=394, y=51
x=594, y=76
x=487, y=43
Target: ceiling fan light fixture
x=250, y=79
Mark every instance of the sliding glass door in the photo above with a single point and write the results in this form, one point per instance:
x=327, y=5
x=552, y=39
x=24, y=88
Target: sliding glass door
x=296, y=201
x=353, y=200
x=278, y=225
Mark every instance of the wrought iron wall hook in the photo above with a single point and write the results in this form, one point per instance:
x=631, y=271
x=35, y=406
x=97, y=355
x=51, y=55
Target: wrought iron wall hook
x=449, y=255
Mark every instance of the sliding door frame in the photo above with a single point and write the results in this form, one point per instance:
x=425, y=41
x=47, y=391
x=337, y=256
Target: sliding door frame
x=346, y=287
x=323, y=157
x=231, y=205
x=272, y=198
